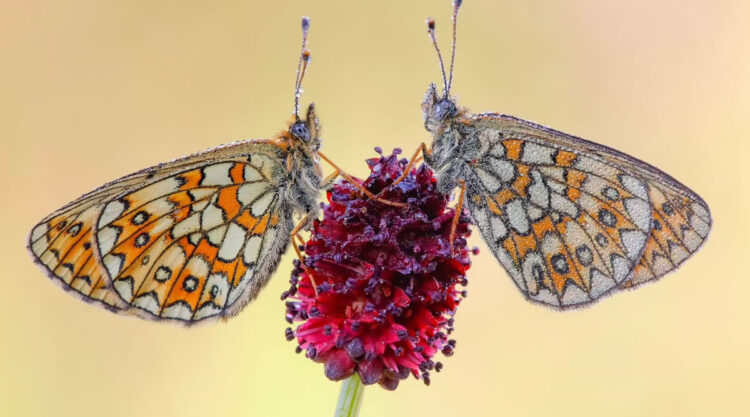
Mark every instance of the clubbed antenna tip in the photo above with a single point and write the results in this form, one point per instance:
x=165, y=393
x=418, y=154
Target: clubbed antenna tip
x=304, y=59
x=447, y=80
x=431, y=32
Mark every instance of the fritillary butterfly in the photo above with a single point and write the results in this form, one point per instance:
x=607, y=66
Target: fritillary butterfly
x=570, y=220
x=192, y=239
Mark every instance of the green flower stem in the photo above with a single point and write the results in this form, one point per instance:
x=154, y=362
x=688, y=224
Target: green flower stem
x=350, y=397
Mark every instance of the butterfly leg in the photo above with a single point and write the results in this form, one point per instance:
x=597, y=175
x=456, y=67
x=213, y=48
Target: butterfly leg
x=294, y=234
x=359, y=186
x=329, y=180
x=414, y=159
x=302, y=223
x=303, y=266
x=297, y=241
x=457, y=215
x=299, y=254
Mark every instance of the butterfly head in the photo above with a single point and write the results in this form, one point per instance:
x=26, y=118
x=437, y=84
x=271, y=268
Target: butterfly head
x=437, y=109
x=305, y=133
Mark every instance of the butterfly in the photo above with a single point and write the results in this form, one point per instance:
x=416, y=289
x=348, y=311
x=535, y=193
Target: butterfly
x=570, y=220
x=195, y=238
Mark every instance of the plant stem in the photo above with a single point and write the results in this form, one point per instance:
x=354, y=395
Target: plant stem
x=350, y=397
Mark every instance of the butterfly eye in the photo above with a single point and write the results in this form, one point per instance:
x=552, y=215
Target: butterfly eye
x=300, y=131
x=444, y=108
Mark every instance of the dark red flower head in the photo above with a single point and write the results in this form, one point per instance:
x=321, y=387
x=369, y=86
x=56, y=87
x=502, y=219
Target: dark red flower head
x=377, y=291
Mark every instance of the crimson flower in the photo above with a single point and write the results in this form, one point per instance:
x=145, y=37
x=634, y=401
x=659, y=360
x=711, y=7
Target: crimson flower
x=377, y=291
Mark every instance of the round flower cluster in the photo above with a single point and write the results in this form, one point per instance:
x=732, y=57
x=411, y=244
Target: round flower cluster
x=377, y=291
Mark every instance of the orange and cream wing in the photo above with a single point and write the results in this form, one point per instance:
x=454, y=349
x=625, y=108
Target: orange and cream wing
x=571, y=220
x=62, y=245
x=193, y=239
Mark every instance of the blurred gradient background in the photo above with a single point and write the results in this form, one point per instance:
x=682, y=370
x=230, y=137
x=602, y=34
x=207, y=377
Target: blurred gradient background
x=91, y=91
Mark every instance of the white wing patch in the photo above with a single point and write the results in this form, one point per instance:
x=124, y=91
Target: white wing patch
x=571, y=221
x=170, y=241
x=192, y=251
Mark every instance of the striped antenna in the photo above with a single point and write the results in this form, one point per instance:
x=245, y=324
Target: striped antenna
x=456, y=6
x=431, y=32
x=304, y=59
x=447, y=80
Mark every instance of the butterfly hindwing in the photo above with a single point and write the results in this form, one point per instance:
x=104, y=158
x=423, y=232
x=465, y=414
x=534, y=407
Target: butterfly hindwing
x=572, y=220
x=188, y=240
x=70, y=262
x=569, y=219
x=680, y=225
x=63, y=245
x=567, y=245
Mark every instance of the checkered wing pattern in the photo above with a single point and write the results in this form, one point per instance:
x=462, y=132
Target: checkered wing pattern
x=189, y=240
x=571, y=220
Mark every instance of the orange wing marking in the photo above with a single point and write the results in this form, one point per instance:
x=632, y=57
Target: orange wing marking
x=565, y=158
x=513, y=148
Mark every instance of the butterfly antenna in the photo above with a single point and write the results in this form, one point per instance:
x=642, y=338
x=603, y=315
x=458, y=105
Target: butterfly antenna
x=431, y=32
x=456, y=6
x=304, y=59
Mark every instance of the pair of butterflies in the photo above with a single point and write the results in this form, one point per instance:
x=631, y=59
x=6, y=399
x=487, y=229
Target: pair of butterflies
x=197, y=238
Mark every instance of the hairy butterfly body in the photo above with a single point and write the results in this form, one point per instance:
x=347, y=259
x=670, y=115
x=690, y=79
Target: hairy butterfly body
x=569, y=220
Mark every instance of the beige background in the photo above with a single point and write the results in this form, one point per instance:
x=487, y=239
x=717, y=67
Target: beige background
x=90, y=91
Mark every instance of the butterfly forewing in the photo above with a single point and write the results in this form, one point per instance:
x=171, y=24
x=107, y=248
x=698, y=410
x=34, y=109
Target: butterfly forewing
x=572, y=220
x=187, y=240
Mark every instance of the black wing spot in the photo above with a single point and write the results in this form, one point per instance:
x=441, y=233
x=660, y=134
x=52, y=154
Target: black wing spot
x=140, y=218
x=607, y=218
x=125, y=203
x=141, y=240
x=611, y=193
x=538, y=274
x=584, y=255
x=190, y=284
x=163, y=274
x=75, y=229
x=560, y=264
x=86, y=279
